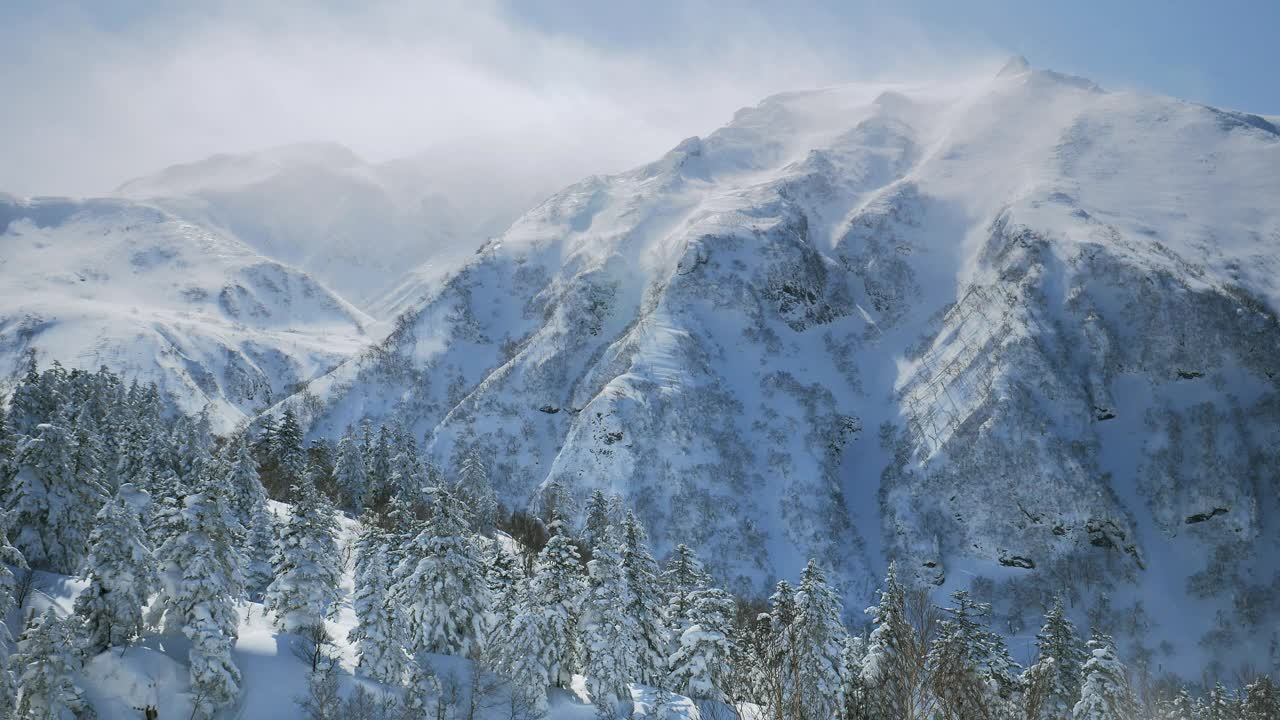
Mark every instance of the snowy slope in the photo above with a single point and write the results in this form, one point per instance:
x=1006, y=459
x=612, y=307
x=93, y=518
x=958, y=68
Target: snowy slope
x=116, y=283
x=1019, y=329
x=357, y=227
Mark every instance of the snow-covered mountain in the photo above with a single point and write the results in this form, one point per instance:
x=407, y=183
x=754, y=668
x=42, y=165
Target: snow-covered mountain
x=1018, y=333
x=357, y=227
x=130, y=286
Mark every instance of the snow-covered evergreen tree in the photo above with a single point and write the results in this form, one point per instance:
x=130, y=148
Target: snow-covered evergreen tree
x=889, y=671
x=306, y=562
x=377, y=634
x=55, y=494
x=8, y=448
x=520, y=650
x=556, y=594
x=121, y=575
x=378, y=470
x=476, y=489
x=646, y=605
x=9, y=556
x=1261, y=701
x=776, y=680
x=408, y=475
x=971, y=672
x=1181, y=706
x=819, y=637
x=349, y=471
x=555, y=507
x=164, y=513
x=853, y=655
x=245, y=494
x=1104, y=690
x=189, y=450
x=44, y=664
x=265, y=439
x=260, y=540
x=597, y=526
x=287, y=454
x=88, y=452
x=1053, y=681
x=682, y=575
x=1219, y=705
x=505, y=584
x=201, y=583
x=33, y=401
x=700, y=664
x=607, y=633
x=440, y=584
x=136, y=442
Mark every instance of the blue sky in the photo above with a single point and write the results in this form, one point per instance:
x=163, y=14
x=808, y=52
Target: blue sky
x=98, y=91
x=1220, y=53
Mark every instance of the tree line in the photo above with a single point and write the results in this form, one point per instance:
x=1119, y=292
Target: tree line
x=174, y=531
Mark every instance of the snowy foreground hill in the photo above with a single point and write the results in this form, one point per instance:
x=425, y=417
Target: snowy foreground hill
x=1018, y=333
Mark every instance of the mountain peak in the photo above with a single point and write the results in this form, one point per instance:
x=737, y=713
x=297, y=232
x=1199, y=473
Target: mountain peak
x=1015, y=65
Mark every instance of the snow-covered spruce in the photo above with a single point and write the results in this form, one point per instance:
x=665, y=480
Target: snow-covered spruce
x=1105, y=692
x=475, y=488
x=700, y=665
x=377, y=634
x=45, y=663
x=607, y=633
x=121, y=572
x=306, y=563
x=55, y=494
x=970, y=670
x=201, y=583
x=818, y=636
x=646, y=606
x=349, y=471
x=439, y=585
x=9, y=557
x=682, y=575
x=1053, y=681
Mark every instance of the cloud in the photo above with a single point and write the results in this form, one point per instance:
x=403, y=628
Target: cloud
x=98, y=95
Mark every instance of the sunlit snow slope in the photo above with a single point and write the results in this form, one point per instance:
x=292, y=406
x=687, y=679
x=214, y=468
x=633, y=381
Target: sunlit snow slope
x=1020, y=331
x=110, y=282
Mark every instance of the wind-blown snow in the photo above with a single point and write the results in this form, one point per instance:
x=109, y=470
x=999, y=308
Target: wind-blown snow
x=359, y=228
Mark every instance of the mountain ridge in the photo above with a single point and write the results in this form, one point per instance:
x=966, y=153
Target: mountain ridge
x=834, y=327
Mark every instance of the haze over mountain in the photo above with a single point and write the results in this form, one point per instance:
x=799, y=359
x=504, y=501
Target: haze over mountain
x=355, y=226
